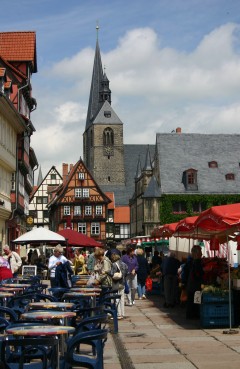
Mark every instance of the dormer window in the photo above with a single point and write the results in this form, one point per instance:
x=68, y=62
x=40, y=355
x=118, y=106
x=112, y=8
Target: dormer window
x=212, y=164
x=189, y=179
x=230, y=176
x=107, y=113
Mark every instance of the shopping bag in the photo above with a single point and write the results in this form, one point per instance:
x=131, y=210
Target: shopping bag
x=183, y=296
x=148, y=284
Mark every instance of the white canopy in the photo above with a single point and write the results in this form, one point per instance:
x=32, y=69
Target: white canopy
x=40, y=235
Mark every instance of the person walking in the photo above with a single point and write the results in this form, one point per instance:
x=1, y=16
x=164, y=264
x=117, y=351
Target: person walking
x=56, y=259
x=170, y=268
x=118, y=273
x=142, y=273
x=131, y=260
x=13, y=258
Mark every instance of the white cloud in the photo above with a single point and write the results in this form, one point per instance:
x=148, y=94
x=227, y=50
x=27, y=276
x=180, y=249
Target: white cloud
x=155, y=89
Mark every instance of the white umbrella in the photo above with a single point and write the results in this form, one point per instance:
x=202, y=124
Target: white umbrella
x=39, y=235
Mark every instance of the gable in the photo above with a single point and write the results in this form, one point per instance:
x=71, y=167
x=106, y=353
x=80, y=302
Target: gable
x=107, y=115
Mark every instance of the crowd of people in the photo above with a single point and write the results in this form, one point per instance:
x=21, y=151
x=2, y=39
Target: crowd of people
x=125, y=271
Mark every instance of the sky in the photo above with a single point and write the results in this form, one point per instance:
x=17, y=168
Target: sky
x=170, y=64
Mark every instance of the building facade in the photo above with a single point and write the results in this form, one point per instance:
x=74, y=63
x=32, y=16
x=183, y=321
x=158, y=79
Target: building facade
x=17, y=64
x=38, y=207
x=79, y=203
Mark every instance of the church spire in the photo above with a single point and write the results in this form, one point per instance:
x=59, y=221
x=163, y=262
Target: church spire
x=148, y=162
x=94, y=104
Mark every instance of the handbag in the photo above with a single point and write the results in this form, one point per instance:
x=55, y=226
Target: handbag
x=117, y=275
x=148, y=284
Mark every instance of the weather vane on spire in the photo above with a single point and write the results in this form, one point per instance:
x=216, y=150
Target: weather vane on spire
x=97, y=28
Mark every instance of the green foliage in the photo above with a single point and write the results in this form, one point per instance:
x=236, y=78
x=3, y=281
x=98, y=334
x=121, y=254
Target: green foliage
x=167, y=201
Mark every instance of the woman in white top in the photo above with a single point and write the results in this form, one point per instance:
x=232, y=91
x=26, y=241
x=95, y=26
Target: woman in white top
x=56, y=259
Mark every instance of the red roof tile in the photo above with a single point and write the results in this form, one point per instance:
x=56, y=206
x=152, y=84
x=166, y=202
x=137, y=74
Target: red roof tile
x=111, y=205
x=122, y=214
x=18, y=46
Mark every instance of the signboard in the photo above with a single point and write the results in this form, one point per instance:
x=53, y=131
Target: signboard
x=29, y=270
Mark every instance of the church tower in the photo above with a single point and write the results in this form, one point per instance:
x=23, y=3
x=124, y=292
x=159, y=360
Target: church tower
x=103, y=148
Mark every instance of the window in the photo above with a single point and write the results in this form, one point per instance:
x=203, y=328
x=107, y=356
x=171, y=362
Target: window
x=85, y=192
x=230, y=176
x=197, y=207
x=78, y=192
x=81, y=175
x=88, y=210
x=189, y=179
x=77, y=210
x=39, y=200
x=53, y=176
x=213, y=164
x=107, y=114
x=45, y=214
x=95, y=229
x=13, y=182
x=45, y=200
x=68, y=225
x=99, y=209
x=66, y=210
x=82, y=228
x=179, y=207
x=108, y=137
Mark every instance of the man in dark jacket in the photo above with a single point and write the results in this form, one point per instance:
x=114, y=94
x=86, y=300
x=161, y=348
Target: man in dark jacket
x=170, y=267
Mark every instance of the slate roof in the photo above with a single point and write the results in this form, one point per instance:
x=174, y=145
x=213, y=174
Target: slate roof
x=132, y=153
x=179, y=152
x=19, y=46
x=152, y=189
x=101, y=119
x=97, y=77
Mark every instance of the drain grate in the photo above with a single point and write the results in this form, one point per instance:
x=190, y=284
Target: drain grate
x=124, y=358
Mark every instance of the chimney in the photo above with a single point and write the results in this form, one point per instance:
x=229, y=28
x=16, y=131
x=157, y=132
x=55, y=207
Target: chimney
x=179, y=130
x=64, y=171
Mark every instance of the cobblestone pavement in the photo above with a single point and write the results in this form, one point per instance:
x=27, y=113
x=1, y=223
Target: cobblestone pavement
x=153, y=337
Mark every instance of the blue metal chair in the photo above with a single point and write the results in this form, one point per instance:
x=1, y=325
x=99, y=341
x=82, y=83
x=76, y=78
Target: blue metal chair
x=9, y=314
x=21, y=353
x=93, y=357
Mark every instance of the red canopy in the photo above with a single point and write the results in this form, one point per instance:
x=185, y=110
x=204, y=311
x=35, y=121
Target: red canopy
x=168, y=229
x=186, y=224
x=219, y=218
x=75, y=238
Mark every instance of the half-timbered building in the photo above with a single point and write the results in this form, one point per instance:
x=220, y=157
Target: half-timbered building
x=38, y=210
x=79, y=203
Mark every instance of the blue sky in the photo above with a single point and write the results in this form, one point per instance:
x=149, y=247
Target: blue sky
x=170, y=63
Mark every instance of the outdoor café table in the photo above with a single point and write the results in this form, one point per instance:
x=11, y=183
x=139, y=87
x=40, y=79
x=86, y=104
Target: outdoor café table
x=85, y=289
x=44, y=330
x=21, y=287
x=51, y=305
x=49, y=314
x=75, y=295
x=4, y=296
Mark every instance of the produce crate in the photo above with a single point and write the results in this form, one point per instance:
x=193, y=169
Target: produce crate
x=215, y=315
x=214, y=298
x=207, y=322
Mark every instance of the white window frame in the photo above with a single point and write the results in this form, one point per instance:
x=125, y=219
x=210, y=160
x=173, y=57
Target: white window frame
x=77, y=210
x=82, y=228
x=67, y=226
x=88, y=210
x=99, y=209
x=95, y=229
x=66, y=210
x=81, y=175
x=85, y=192
x=78, y=192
